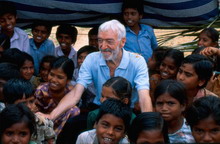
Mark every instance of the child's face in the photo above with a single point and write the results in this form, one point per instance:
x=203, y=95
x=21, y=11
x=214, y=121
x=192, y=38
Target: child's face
x=206, y=131
x=110, y=129
x=206, y=41
x=27, y=70
x=44, y=71
x=150, y=137
x=93, y=40
x=151, y=63
x=7, y=22
x=131, y=17
x=57, y=79
x=169, y=107
x=188, y=77
x=108, y=92
x=29, y=102
x=81, y=58
x=18, y=133
x=65, y=41
x=168, y=69
x=40, y=34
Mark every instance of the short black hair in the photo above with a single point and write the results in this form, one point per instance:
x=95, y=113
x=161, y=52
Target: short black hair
x=147, y=121
x=202, y=108
x=12, y=55
x=93, y=31
x=116, y=108
x=7, y=7
x=89, y=49
x=69, y=30
x=47, y=25
x=26, y=57
x=17, y=113
x=9, y=71
x=212, y=33
x=135, y=4
x=47, y=59
x=16, y=89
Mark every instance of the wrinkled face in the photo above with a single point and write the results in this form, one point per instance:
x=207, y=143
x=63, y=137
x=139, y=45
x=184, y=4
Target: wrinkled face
x=150, y=137
x=18, y=133
x=7, y=22
x=65, y=41
x=168, y=68
x=27, y=70
x=108, y=92
x=29, y=102
x=206, y=41
x=40, y=34
x=188, y=77
x=93, y=40
x=110, y=129
x=169, y=107
x=44, y=71
x=109, y=45
x=81, y=58
x=57, y=80
x=206, y=131
x=131, y=17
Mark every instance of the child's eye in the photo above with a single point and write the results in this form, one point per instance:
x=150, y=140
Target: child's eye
x=216, y=130
x=9, y=133
x=170, y=103
x=60, y=77
x=118, y=129
x=23, y=134
x=105, y=125
x=198, y=131
x=159, y=103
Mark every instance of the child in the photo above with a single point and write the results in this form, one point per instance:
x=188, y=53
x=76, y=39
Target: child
x=194, y=73
x=4, y=43
x=21, y=91
x=93, y=37
x=49, y=94
x=27, y=66
x=112, y=124
x=17, y=125
x=140, y=38
x=170, y=102
x=18, y=38
x=40, y=45
x=203, y=116
x=148, y=127
x=115, y=88
x=66, y=36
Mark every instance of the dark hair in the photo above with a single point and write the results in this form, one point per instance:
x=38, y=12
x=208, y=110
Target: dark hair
x=121, y=86
x=65, y=64
x=174, y=88
x=9, y=71
x=202, y=66
x=87, y=48
x=158, y=54
x=147, y=121
x=12, y=55
x=69, y=30
x=212, y=33
x=137, y=4
x=18, y=113
x=116, y=108
x=47, y=59
x=7, y=7
x=16, y=89
x=176, y=55
x=26, y=57
x=4, y=41
x=203, y=108
x=93, y=31
x=47, y=25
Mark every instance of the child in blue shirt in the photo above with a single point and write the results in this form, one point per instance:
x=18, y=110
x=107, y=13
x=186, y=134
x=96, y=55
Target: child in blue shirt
x=40, y=45
x=140, y=38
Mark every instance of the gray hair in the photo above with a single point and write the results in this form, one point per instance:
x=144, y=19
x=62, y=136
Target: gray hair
x=115, y=26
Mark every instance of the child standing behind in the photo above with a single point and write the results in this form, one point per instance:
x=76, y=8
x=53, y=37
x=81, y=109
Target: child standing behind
x=140, y=38
x=170, y=102
x=66, y=36
x=18, y=38
x=40, y=45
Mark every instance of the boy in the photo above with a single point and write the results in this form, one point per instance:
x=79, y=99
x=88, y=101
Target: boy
x=66, y=36
x=21, y=91
x=18, y=38
x=112, y=124
x=93, y=37
x=194, y=73
x=140, y=38
x=40, y=45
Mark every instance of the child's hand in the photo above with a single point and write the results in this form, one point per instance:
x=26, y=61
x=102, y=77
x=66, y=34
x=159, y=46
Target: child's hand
x=44, y=115
x=210, y=51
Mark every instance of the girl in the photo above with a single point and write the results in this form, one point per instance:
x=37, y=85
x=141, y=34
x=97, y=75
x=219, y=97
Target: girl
x=148, y=127
x=116, y=88
x=49, y=94
x=170, y=102
x=168, y=68
x=17, y=124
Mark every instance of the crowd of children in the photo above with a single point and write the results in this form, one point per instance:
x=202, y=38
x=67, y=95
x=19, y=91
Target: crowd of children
x=35, y=76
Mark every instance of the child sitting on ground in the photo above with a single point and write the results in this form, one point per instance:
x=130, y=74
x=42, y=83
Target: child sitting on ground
x=112, y=123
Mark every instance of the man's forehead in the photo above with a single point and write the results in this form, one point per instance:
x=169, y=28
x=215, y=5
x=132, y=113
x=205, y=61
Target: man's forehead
x=108, y=34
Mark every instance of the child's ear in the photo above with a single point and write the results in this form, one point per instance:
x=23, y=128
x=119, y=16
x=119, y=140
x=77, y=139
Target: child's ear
x=125, y=101
x=183, y=107
x=201, y=82
x=141, y=16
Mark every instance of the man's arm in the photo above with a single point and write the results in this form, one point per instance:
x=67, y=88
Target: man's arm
x=145, y=100
x=68, y=101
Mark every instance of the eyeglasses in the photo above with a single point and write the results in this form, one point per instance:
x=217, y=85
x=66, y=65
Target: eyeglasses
x=108, y=41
